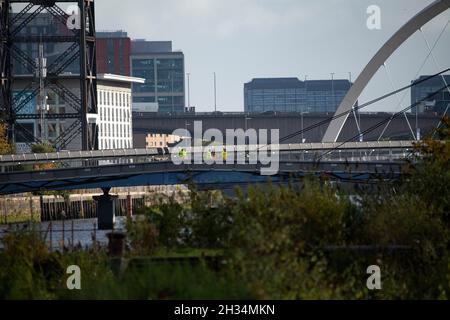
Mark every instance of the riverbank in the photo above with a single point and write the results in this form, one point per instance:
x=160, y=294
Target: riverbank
x=79, y=204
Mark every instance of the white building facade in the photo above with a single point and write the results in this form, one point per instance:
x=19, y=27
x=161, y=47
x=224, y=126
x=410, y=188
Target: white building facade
x=115, y=121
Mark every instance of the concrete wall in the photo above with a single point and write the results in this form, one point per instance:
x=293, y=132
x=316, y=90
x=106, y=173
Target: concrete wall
x=287, y=124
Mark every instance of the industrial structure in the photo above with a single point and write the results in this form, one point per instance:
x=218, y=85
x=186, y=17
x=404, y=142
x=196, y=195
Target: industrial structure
x=114, y=119
x=73, y=31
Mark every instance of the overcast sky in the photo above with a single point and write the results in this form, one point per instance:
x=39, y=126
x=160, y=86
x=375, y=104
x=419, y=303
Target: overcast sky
x=245, y=39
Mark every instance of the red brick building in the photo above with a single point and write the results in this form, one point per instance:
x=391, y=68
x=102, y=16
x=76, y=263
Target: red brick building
x=113, y=53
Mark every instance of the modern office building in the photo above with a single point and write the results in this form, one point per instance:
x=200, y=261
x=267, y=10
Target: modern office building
x=163, y=71
x=437, y=103
x=293, y=95
x=114, y=119
x=113, y=52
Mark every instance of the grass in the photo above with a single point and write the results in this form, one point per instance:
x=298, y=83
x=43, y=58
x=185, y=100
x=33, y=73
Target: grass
x=163, y=281
x=187, y=253
x=19, y=218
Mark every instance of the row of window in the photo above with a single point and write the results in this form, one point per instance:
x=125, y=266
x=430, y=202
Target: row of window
x=161, y=86
x=114, y=98
x=111, y=130
x=156, y=144
x=105, y=144
x=163, y=63
x=115, y=115
x=162, y=100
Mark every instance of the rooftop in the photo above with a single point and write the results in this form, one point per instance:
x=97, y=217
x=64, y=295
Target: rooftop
x=119, y=78
x=144, y=47
x=111, y=34
x=293, y=83
x=436, y=81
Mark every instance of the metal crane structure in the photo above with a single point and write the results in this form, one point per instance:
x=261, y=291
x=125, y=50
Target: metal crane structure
x=73, y=31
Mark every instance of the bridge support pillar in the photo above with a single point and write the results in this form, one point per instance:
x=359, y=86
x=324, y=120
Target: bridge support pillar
x=106, y=208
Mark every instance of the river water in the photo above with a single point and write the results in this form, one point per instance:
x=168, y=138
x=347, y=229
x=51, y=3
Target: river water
x=68, y=232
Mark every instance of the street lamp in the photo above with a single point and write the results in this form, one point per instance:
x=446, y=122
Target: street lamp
x=301, y=115
x=332, y=89
x=246, y=128
x=186, y=124
x=173, y=94
x=189, y=89
x=215, y=93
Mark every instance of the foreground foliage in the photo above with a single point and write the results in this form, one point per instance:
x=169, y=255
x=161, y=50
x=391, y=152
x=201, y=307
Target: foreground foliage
x=309, y=241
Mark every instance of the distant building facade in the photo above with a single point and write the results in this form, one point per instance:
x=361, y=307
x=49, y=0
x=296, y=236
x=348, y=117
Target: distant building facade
x=438, y=103
x=163, y=71
x=293, y=95
x=155, y=140
x=115, y=127
x=113, y=52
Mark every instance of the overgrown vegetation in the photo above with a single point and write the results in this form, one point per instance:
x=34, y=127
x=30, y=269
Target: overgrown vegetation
x=309, y=241
x=5, y=146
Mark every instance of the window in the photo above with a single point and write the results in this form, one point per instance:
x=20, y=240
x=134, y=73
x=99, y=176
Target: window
x=143, y=99
x=142, y=63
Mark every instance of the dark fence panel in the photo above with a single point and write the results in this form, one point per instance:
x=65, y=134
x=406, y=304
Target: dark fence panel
x=59, y=209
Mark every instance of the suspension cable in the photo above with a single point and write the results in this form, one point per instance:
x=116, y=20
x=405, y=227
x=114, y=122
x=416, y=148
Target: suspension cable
x=442, y=76
x=400, y=103
x=376, y=126
x=430, y=52
x=357, y=108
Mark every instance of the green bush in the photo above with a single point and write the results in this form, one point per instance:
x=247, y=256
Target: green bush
x=143, y=235
x=28, y=270
x=209, y=220
x=279, y=236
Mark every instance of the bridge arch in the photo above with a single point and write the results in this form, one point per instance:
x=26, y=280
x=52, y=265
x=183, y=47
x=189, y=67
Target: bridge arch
x=404, y=33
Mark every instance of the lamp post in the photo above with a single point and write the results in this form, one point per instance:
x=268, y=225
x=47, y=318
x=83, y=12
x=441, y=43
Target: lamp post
x=186, y=124
x=189, y=89
x=173, y=96
x=246, y=128
x=420, y=105
x=303, y=110
x=215, y=93
x=332, y=89
x=303, y=139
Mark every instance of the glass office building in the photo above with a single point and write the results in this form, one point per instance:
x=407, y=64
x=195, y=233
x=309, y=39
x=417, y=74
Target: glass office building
x=293, y=95
x=163, y=71
x=421, y=93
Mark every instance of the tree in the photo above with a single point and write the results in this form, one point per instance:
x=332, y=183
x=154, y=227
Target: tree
x=430, y=177
x=42, y=148
x=5, y=146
